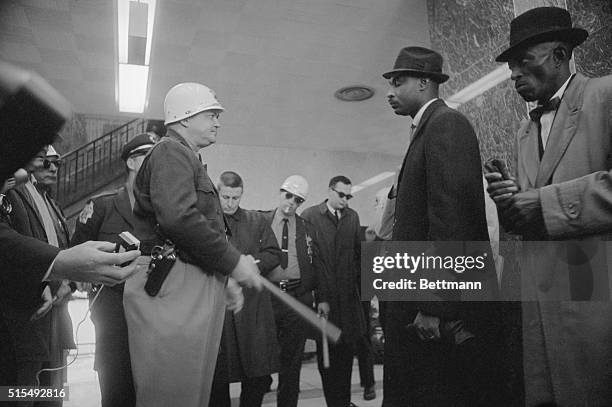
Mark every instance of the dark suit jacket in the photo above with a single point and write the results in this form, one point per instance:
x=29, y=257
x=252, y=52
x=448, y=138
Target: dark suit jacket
x=23, y=264
x=28, y=340
x=24, y=261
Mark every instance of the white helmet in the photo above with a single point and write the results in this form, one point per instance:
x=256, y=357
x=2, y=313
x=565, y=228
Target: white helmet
x=188, y=99
x=297, y=185
x=51, y=152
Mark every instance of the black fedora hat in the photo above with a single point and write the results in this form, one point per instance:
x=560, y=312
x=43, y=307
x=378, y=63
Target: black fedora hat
x=542, y=24
x=419, y=62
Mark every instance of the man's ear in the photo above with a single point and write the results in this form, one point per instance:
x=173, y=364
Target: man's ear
x=561, y=54
x=423, y=83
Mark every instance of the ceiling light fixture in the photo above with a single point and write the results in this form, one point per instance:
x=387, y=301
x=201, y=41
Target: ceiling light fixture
x=354, y=93
x=135, y=19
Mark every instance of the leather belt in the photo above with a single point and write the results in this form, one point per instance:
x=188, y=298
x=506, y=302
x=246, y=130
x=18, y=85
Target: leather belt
x=289, y=285
x=146, y=246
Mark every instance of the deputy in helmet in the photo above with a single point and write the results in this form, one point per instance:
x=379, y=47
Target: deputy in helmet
x=297, y=275
x=175, y=312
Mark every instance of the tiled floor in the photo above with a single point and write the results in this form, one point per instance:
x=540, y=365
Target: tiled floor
x=84, y=390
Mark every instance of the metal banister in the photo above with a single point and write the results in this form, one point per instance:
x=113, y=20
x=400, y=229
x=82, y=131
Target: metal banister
x=95, y=164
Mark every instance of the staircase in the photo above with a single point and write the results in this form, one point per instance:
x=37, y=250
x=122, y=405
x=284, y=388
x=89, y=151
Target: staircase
x=93, y=166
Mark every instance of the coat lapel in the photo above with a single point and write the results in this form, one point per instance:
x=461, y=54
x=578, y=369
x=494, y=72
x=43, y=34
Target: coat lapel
x=417, y=132
x=563, y=130
x=27, y=198
x=528, y=146
x=123, y=207
x=60, y=216
x=426, y=115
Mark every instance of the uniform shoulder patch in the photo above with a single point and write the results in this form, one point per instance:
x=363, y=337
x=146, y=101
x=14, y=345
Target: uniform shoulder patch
x=86, y=213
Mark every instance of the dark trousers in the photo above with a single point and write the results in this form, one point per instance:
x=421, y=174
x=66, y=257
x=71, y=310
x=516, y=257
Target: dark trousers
x=116, y=385
x=291, y=333
x=365, y=353
x=112, y=351
x=251, y=394
x=337, y=378
x=441, y=374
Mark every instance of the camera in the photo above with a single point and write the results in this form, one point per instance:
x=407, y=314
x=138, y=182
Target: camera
x=128, y=241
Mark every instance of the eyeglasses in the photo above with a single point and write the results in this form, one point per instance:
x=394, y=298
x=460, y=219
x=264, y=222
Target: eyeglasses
x=342, y=195
x=47, y=163
x=298, y=199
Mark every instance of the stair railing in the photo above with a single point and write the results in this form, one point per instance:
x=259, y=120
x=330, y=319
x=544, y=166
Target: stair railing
x=95, y=164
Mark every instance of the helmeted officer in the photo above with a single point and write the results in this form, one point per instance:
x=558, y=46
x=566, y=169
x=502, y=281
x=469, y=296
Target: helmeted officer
x=104, y=217
x=175, y=312
x=297, y=275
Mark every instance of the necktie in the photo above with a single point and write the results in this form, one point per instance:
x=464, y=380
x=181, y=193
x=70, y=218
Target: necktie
x=536, y=114
x=285, y=245
x=412, y=129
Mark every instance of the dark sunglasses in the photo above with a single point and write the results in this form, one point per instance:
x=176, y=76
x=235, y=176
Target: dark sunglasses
x=298, y=199
x=342, y=195
x=47, y=163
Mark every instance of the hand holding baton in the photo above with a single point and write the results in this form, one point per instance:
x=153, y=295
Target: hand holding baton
x=328, y=330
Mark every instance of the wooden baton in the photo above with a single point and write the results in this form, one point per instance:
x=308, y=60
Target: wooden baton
x=329, y=330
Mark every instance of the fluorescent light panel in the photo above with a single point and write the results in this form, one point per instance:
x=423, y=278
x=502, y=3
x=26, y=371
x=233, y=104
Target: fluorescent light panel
x=133, y=79
x=479, y=87
x=372, y=181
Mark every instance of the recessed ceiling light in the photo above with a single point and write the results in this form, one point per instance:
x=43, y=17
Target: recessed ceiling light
x=354, y=93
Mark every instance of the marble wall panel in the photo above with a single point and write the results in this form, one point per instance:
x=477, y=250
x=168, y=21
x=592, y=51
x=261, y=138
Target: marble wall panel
x=468, y=34
x=594, y=56
x=496, y=116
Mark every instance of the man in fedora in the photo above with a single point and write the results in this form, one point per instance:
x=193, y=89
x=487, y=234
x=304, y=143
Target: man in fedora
x=562, y=191
x=439, y=197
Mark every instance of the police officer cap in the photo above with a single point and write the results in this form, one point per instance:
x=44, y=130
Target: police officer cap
x=142, y=142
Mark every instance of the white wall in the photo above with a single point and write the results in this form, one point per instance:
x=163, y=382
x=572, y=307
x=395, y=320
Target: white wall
x=263, y=170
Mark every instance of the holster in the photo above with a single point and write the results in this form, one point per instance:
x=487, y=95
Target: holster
x=160, y=266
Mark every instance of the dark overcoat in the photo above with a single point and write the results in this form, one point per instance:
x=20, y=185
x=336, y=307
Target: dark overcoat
x=340, y=247
x=439, y=198
x=253, y=327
